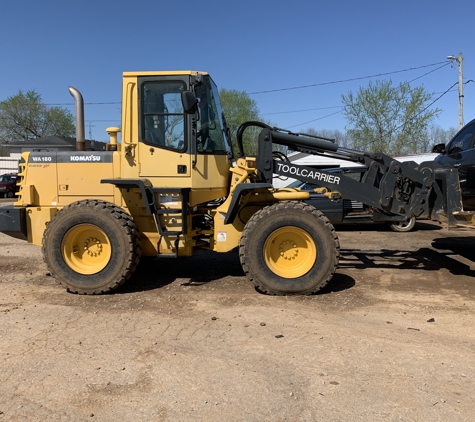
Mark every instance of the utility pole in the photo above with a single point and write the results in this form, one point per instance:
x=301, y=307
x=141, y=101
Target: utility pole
x=459, y=60
x=90, y=130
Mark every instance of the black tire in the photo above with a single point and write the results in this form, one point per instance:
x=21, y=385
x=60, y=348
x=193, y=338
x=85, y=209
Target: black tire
x=10, y=194
x=289, y=248
x=403, y=226
x=91, y=247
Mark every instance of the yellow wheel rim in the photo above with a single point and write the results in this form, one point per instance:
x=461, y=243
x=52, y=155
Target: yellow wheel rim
x=290, y=252
x=86, y=249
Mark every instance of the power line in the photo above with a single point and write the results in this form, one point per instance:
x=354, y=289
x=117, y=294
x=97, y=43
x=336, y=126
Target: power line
x=308, y=86
x=300, y=87
x=314, y=120
x=437, y=99
x=326, y=108
x=425, y=74
x=346, y=80
x=71, y=104
x=300, y=111
x=263, y=114
x=109, y=120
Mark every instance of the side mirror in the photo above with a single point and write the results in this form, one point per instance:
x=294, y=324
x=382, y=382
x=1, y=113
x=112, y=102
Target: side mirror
x=439, y=148
x=189, y=101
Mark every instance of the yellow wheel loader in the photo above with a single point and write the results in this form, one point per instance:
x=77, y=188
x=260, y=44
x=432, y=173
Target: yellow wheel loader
x=172, y=187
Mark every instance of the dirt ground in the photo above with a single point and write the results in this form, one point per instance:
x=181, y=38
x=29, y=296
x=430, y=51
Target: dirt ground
x=390, y=339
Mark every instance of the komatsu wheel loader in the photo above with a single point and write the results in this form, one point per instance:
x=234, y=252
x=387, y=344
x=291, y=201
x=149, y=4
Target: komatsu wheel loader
x=171, y=188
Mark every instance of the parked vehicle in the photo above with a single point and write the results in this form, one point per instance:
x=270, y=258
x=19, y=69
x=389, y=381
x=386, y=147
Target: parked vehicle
x=346, y=211
x=8, y=185
x=460, y=153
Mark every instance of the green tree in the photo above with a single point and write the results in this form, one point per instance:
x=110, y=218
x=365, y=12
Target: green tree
x=389, y=119
x=24, y=116
x=238, y=108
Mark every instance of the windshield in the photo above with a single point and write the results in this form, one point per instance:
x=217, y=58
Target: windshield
x=211, y=135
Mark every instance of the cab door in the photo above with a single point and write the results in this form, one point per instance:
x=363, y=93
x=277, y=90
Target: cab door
x=163, y=140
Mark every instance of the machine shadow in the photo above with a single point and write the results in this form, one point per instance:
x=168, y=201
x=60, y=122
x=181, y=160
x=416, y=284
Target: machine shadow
x=338, y=283
x=207, y=266
x=424, y=259
x=461, y=246
x=201, y=269
x=383, y=227
x=196, y=270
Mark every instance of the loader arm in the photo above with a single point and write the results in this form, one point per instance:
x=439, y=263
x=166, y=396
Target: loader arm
x=400, y=189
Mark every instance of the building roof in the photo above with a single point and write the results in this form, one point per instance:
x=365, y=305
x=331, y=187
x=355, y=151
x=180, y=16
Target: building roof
x=59, y=142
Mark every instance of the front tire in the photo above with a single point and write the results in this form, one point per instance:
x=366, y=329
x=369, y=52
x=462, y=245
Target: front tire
x=91, y=247
x=289, y=248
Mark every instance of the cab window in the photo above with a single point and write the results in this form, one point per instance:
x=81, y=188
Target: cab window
x=163, y=118
x=462, y=141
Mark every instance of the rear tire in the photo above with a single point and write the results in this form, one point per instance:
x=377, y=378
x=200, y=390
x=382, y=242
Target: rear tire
x=403, y=226
x=91, y=247
x=9, y=194
x=289, y=248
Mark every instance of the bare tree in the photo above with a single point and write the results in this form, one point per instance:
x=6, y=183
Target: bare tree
x=340, y=138
x=438, y=135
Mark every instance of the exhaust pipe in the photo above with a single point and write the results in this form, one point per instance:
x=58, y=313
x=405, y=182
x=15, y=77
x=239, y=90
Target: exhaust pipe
x=80, y=134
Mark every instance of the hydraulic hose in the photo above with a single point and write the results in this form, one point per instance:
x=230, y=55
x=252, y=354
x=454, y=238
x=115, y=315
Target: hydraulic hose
x=241, y=130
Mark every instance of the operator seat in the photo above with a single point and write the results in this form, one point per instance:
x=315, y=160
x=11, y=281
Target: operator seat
x=154, y=119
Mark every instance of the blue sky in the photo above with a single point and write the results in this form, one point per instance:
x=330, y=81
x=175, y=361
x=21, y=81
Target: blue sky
x=250, y=46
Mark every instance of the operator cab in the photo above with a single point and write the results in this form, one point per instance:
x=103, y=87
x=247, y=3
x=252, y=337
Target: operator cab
x=179, y=138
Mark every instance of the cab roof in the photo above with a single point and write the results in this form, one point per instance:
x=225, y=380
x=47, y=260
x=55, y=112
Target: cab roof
x=165, y=73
